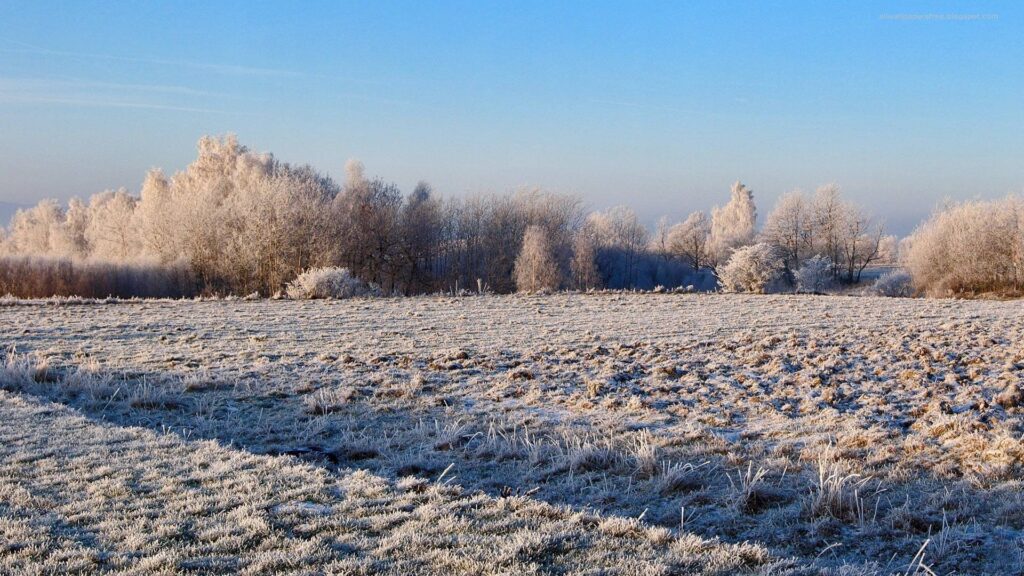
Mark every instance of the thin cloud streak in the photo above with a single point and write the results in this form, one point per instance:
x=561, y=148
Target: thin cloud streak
x=28, y=84
x=238, y=70
x=84, y=102
x=68, y=91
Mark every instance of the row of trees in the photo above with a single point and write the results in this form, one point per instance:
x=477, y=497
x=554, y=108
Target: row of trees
x=242, y=222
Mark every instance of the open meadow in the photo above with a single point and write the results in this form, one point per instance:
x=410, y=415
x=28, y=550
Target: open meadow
x=567, y=433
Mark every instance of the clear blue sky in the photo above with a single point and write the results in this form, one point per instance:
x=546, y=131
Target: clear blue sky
x=659, y=106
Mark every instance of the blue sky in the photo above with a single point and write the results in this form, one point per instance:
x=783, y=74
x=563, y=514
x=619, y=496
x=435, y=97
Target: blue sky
x=656, y=105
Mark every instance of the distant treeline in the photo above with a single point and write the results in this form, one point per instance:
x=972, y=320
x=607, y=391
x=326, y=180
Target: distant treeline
x=239, y=222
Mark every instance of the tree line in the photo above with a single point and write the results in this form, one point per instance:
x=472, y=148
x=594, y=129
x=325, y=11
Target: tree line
x=239, y=222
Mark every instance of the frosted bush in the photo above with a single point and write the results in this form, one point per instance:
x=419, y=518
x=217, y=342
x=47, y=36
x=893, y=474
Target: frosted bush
x=328, y=283
x=895, y=284
x=970, y=248
x=751, y=269
x=815, y=275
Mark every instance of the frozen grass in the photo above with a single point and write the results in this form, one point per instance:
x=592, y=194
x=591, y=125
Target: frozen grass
x=843, y=433
x=77, y=497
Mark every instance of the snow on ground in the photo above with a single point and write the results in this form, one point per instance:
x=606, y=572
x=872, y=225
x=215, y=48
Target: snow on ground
x=837, y=433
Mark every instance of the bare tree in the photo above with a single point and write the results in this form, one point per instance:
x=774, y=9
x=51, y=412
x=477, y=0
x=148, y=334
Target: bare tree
x=860, y=241
x=420, y=232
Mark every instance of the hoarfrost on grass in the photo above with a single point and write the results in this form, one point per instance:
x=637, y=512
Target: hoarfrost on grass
x=830, y=431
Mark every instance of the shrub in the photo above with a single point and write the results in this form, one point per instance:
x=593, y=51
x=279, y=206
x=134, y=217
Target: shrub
x=970, y=248
x=815, y=275
x=895, y=284
x=44, y=277
x=328, y=283
x=751, y=269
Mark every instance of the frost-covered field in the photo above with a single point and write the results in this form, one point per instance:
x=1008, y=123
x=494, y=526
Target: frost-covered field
x=638, y=433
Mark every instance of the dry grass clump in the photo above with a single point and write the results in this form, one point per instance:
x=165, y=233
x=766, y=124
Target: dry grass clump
x=328, y=400
x=840, y=495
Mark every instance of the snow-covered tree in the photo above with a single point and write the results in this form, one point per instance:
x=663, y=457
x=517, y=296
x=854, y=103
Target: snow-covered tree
x=72, y=240
x=755, y=268
x=159, y=218
x=691, y=240
x=113, y=232
x=34, y=231
x=790, y=228
x=860, y=241
x=621, y=242
x=733, y=225
x=536, y=268
x=355, y=174
x=585, y=275
x=829, y=216
x=889, y=250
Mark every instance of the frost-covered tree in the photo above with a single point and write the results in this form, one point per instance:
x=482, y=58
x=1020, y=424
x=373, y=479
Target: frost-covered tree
x=889, y=250
x=561, y=215
x=34, y=231
x=355, y=174
x=621, y=242
x=113, y=232
x=790, y=228
x=420, y=229
x=829, y=215
x=585, y=275
x=159, y=218
x=691, y=240
x=72, y=240
x=733, y=225
x=825, y=226
x=242, y=220
x=660, y=241
x=755, y=268
x=860, y=241
x=536, y=268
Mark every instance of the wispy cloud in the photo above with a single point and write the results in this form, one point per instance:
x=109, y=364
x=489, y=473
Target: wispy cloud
x=97, y=103
x=218, y=68
x=74, y=92
x=9, y=84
